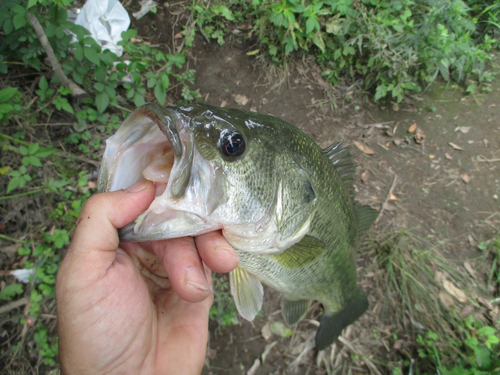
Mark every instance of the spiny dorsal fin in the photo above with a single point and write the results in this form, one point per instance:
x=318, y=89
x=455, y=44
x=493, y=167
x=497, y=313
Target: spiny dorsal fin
x=365, y=217
x=343, y=161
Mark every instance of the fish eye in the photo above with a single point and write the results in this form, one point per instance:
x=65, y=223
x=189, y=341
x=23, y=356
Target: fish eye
x=232, y=144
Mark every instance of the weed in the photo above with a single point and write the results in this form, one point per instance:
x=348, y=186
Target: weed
x=223, y=310
x=426, y=295
x=395, y=47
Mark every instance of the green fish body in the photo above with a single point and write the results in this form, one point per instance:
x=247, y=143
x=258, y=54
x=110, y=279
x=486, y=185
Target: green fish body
x=284, y=204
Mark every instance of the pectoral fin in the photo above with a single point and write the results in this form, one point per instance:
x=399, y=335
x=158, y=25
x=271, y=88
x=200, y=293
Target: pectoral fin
x=247, y=292
x=294, y=311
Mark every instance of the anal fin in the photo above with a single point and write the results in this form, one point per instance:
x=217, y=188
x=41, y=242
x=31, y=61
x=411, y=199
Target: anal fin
x=331, y=325
x=294, y=311
x=247, y=292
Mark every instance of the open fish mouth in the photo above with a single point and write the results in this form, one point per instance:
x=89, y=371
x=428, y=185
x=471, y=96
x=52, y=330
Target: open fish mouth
x=153, y=144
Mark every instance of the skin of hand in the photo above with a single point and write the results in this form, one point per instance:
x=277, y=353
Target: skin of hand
x=112, y=320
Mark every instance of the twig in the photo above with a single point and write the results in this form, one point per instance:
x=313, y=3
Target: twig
x=56, y=67
x=482, y=159
x=367, y=361
x=382, y=209
x=21, y=195
x=13, y=305
x=14, y=139
x=3, y=236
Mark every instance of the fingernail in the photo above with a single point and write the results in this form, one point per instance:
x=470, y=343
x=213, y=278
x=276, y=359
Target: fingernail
x=196, y=279
x=229, y=251
x=137, y=187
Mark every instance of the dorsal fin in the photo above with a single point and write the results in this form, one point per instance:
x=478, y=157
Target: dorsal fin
x=365, y=217
x=343, y=161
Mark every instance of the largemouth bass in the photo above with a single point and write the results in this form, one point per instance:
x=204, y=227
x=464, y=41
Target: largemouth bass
x=285, y=205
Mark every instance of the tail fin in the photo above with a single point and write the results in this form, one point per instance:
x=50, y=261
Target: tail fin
x=332, y=325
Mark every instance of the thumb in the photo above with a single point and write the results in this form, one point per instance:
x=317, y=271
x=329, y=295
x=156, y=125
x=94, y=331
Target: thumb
x=95, y=239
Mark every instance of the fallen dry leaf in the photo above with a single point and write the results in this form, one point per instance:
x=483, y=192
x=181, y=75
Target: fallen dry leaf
x=454, y=291
x=432, y=156
x=397, y=142
x=223, y=104
x=469, y=269
x=395, y=128
x=412, y=128
x=446, y=299
x=387, y=144
x=465, y=177
x=91, y=184
x=367, y=150
x=448, y=156
x=266, y=332
x=467, y=311
x=456, y=147
x=463, y=129
x=393, y=197
x=395, y=107
x=364, y=176
x=241, y=99
x=419, y=136
x=11, y=249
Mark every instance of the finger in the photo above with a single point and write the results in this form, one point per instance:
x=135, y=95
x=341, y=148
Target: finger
x=183, y=267
x=95, y=239
x=182, y=332
x=216, y=252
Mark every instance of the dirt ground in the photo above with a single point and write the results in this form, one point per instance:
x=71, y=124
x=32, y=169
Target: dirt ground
x=446, y=186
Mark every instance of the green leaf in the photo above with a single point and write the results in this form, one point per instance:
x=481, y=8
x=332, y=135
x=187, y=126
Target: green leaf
x=178, y=59
x=35, y=161
x=165, y=81
x=43, y=84
x=318, y=41
x=160, y=93
x=129, y=34
x=102, y=101
x=8, y=26
x=32, y=3
x=486, y=330
x=45, y=152
x=223, y=11
x=101, y=72
x=23, y=150
x=33, y=148
x=13, y=183
x=7, y=94
x=79, y=53
x=19, y=21
x=109, y=58
x=99, y=87
x=11, y=291
x=91, y=55
x=138, y=100
x=66, y=106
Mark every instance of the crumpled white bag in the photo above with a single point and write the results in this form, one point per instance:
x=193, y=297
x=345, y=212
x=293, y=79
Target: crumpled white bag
x=106, y=20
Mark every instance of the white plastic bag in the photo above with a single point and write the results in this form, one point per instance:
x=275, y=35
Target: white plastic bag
x=106, y=20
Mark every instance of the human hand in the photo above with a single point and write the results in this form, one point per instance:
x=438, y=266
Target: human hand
x=112, y=319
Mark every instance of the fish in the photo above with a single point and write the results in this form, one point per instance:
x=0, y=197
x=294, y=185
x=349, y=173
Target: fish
x=282, y=202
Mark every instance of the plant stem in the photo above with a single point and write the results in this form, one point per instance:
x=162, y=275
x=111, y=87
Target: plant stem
x=21, y=195
x=14, y=139
x=77, y=91
x=10, y=238
x=120, y=107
